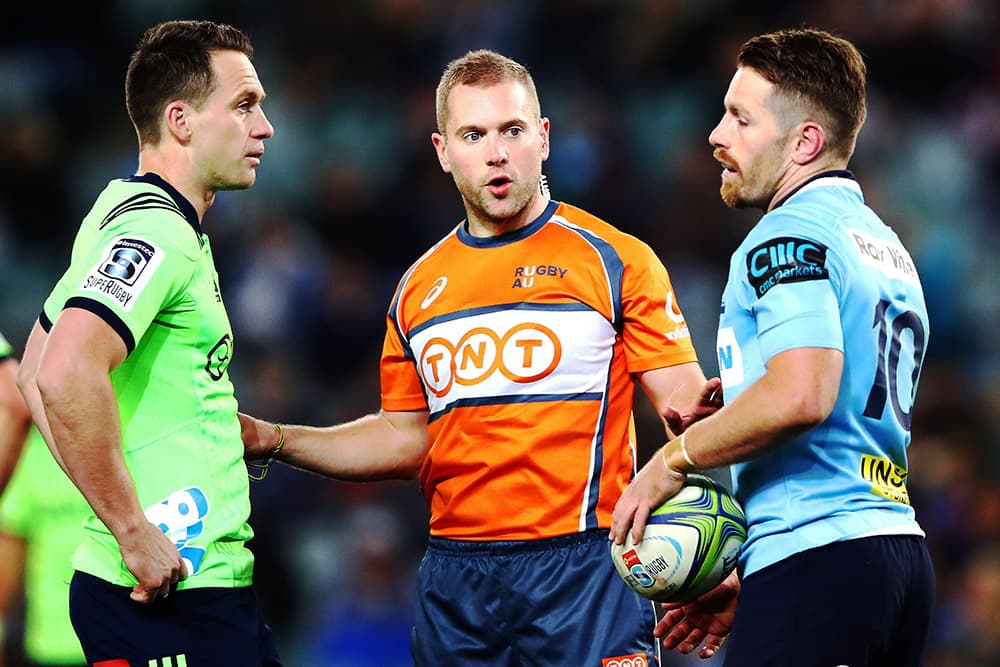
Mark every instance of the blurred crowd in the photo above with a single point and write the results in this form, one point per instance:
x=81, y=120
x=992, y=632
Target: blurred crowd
x=350, y=193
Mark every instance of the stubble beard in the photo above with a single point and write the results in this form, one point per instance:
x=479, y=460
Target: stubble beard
x=497, y=212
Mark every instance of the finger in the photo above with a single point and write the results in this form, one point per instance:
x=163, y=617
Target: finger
x=712, y=644
x=713, y=390
x=141, y=594
x=675, y=422
x=639, y=523
x=667, y=623
x=678, y=634
x=692, y=641
x=621, y=519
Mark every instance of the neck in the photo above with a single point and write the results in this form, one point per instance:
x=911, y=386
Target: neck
x=484, y=227
x=798, y=175
x=176, y=170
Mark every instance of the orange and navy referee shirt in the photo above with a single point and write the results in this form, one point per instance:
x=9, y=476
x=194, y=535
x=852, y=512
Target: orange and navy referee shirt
x=523, y=349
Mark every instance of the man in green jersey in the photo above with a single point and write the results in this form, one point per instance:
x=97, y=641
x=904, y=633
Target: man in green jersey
x=41, y=523
x=14, y=416
x=41, y=514
x=125, y=371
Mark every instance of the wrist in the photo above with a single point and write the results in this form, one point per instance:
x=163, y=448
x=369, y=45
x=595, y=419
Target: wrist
x=673, y=472
x=677, y=455
x=279, y=442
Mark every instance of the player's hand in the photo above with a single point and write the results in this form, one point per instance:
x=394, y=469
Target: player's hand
x=708, y=402
x=259, y=437
x=708, y=619
x=154, y=561
x=654, y=484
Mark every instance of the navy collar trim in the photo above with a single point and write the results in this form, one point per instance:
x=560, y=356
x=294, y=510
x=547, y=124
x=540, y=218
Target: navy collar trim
x=833, y=173
x=508, y=237
x=186, y=207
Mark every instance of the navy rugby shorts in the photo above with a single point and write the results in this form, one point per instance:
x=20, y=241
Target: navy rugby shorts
x=555, y=601
x=864, y=602
x=197, y=627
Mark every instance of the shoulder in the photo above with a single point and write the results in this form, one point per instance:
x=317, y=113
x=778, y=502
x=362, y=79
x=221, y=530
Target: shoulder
x=599, y=230
x=144, y=210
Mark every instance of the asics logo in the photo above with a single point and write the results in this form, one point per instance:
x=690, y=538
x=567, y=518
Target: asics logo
x=434, y=292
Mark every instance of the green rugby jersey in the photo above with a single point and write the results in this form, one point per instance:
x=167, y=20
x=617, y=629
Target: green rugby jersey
x=5, y=349
x=141, y=263
x=42, y=507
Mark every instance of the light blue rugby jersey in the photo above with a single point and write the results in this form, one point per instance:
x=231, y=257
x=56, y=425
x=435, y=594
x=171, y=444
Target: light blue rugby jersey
x=822, y=270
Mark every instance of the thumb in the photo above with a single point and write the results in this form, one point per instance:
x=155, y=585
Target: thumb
x=674, y=420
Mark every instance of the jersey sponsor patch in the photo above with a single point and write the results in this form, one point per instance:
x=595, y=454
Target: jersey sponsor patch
x=633, y=660
x=730, y=357
x=181, y=517
x=887, y=256
x=887, y=479
x=124, y=270
x=785, y=260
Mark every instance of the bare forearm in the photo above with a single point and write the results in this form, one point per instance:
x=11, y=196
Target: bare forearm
x=374, y=447
x=14, y=420
x=761, y=419
x=83, y=419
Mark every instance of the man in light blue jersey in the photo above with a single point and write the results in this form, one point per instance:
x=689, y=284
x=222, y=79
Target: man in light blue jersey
x=821, y=337
x=125, y=371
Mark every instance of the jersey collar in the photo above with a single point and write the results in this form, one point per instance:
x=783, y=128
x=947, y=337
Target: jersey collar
x=509, y=237
x=833, y=173
x=182, y=203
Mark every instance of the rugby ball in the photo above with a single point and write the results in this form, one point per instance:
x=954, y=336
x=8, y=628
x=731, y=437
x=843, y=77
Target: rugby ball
x=691, y=543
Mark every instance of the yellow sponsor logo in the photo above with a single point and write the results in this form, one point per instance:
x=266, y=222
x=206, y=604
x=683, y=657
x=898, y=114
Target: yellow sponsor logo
x=888, y=479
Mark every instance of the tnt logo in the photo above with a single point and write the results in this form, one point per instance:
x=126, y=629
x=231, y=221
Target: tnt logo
x=634, y=660
x=181, y=518
x=526, y=353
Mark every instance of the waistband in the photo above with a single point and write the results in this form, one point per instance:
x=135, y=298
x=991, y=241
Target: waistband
x=449, y=547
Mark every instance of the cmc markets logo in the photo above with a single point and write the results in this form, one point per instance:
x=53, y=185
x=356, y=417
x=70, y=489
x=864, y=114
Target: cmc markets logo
x=526, y=353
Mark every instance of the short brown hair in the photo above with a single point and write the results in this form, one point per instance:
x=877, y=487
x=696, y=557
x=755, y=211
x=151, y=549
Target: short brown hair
x=172, y=61
x=480, y=68
x=819, y=69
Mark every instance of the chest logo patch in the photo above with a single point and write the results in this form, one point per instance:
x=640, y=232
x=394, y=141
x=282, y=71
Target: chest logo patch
x=785, y=260
x=434, y=292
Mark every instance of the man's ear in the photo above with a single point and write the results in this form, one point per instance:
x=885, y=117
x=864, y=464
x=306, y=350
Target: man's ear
x=810, y=139
x=544, y=128
x=439, y=146
x=176, y=115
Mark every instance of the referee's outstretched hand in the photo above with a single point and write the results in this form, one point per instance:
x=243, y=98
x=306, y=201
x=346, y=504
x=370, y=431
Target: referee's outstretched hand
x=154, y=561
x=708, y=619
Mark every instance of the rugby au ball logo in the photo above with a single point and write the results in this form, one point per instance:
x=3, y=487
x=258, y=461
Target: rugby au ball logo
x=126, y=260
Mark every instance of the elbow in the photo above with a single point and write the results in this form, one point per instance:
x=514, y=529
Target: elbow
x=411, y=458
x=410, y=463
x=51, y=381
x=26, y=381
x=809, y=409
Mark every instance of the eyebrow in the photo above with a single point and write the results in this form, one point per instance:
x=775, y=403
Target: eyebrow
x=475, y=127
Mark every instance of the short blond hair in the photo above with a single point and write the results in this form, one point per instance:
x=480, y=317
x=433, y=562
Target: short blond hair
x=480, y=68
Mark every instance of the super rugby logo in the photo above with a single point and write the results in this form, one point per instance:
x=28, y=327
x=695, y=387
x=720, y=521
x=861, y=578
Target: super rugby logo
x=526, y=353
x=127, y=259
x=124, y=270
x=635, y=568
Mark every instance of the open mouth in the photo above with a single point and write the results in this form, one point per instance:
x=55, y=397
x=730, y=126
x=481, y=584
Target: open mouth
x=500, y=185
